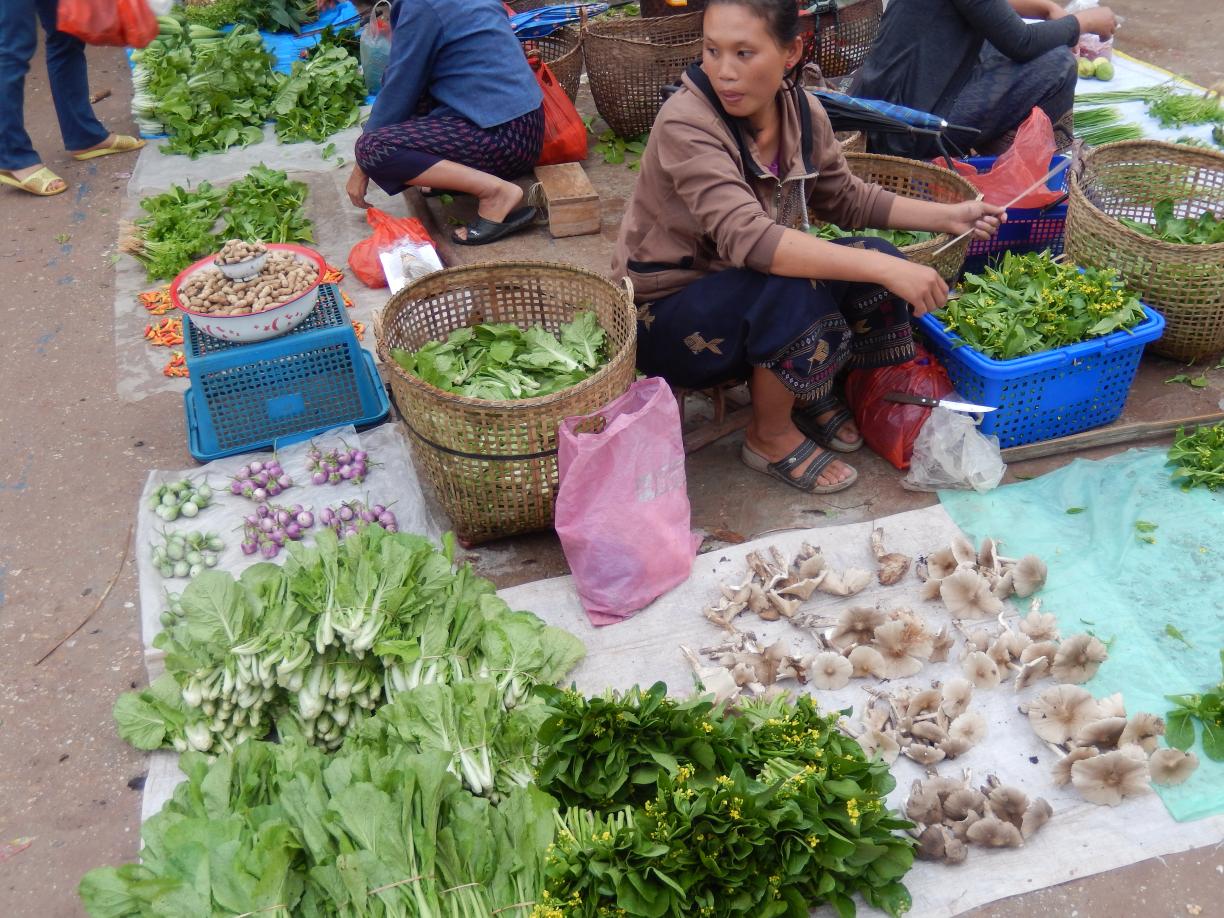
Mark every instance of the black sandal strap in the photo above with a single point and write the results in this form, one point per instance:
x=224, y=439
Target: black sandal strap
x=794, y=458
x=828, y=430
x=812, y=472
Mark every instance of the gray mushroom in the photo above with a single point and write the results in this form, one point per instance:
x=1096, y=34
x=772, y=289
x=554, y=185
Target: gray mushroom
x=1040, y=626
x=1061, y=711
x=1110, y=778
x=1028, y=576
x=1143, y=729
x=1172, y=766
x=1101, y=733
x=1078, y=658
x=981, y=670
x=995, y=833
x=958, y=804
x=1036, y=816
x=856, y=625
x=967, y=595
x=1062, y=768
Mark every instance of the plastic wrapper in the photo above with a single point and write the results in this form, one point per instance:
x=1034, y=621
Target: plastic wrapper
x=565, y=136
x=406, y=261
x=389, y=232
x=119, y=23
x=1019, y=167
x=951, y=453
x=1091, y=46
x=374, y=48
x=890, y=428
x=623, y=513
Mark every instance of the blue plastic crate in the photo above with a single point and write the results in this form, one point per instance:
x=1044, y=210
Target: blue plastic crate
x=1051, y=394
x=329, y=313
x=247, y=397
x=1027, y=229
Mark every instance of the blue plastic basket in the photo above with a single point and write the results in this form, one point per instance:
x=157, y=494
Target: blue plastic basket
x=246, y=397
x=1051, y=394
x=1026, y=229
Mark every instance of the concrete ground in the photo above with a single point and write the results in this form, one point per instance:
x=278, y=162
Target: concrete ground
x=73, y=457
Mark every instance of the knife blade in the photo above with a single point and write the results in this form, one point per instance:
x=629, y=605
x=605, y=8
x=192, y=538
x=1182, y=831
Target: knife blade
x=927, y=402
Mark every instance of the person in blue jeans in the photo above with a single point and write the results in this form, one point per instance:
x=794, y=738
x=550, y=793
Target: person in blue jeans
x=84, y=136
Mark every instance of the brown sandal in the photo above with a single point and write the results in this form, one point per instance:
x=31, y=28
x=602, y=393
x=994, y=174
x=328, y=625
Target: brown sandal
x=806, y=482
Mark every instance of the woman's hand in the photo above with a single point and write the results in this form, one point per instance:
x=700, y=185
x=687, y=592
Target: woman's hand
x=918, y=285
x=357, y=186
x=1098, y=21
x=982, y=218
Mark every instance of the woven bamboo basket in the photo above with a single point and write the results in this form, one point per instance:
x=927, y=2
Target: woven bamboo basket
x=852, y=141
x=912, y=178
x=630, y=61
x=1184, y=282
x=562, y=52
x=494, y=463
x=838, y=40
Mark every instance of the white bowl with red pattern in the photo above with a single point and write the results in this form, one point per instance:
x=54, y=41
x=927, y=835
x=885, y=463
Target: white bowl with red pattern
x=258, y=326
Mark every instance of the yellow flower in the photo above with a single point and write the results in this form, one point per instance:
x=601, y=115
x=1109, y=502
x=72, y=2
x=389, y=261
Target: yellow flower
x=707, y=727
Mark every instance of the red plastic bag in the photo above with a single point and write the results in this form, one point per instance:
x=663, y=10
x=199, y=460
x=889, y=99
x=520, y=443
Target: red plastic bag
x=622, y=508
x=565, y=136
x=363, y=257
x=124, y=23
x=890, y=428
x=1027, y=160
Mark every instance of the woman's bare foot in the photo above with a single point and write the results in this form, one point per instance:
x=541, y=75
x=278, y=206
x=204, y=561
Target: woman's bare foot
x=777, y=445
x=106, y=142
x=497, y=204
x=848, y=433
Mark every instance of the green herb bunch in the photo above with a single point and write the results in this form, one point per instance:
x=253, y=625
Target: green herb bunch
x=1205, y=229
x=266, y=15
x=502, y=361
x=321, y=96
x=899, y=238
x=1198, y=457
x=1207, y=709
x=1029, y=303
x=180, y=225
x=765, y=812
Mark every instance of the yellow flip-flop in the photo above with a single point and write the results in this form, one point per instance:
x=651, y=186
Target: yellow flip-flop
x=119, y=143
x=38, y=183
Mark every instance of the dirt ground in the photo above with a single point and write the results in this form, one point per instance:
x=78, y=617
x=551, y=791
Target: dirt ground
x=73, y=457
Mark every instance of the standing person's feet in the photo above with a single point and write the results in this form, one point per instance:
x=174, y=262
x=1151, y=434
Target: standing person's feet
x=114, y=143
x=36, y=179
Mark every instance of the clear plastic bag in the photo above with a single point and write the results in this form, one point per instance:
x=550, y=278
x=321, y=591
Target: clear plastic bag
x=951, y=452
x=1091, y=46
x=374, y=48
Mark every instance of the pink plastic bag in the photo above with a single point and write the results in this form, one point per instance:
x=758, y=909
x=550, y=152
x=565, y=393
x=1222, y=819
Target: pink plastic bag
x=622, y=507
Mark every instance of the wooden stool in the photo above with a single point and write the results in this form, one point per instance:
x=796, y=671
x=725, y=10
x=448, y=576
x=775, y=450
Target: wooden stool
x=724, y=422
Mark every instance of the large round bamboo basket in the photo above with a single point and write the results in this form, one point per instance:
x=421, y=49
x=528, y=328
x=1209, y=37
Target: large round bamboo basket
x=838, y=40
x=562, y=52
x=494, y=463
x=1184, y=282
x=630, y=61
x=913, y=178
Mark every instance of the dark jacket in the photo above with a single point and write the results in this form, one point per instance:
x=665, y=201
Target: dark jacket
x=704, y=202
x=926, y=49
x=464, y=55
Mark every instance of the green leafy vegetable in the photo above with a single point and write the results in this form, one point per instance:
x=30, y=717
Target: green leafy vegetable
x=615, y=149
x=501, y=361
x=266, y=15
x=1198, y=457
x=1205, y=229
x=1207, y=710
x=1145, y=526
x=1174, y=633
x=1030, y=303
x=321, y=96
x=1195, y=382
x=899, y=238
x=676, y=804
x=316, y=645
x=1074, y=510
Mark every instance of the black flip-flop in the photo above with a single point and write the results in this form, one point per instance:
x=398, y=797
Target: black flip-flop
x=481, y=231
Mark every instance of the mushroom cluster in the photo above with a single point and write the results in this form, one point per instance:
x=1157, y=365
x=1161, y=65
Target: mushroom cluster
x=776, y=588
x=885, y=645
x=1033, y=650
x=742, y=664
x=1106, y=756
x=950, y=814
x=925, y=725
x=974, y=582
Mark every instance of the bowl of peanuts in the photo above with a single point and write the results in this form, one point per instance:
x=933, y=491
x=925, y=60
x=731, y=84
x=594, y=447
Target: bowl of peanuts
x=271, y=302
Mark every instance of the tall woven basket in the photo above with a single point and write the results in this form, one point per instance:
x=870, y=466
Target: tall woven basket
x=562, y=52
x=1184, y=282
x=630, y=61
x=494, y=463
x=839, y=39
x=912, y=178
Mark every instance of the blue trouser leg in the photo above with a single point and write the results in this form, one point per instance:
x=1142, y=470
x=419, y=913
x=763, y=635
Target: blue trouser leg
x=17, y=42
x=69, y=77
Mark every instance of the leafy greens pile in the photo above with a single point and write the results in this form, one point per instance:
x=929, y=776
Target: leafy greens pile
x=1199, y=457
x=676, y=809
x=1205, y=229
x=180, y=226
x=1029, y=303
x=321, y=96
x=899, y=238
x=1206, y=708
x=444, y=804
x=209, y=91
x=384, y=826
x=266, y=15
x=501, y=361
x=344, y=626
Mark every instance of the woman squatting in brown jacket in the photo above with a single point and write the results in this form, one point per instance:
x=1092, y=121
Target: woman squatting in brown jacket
x=728, y=287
